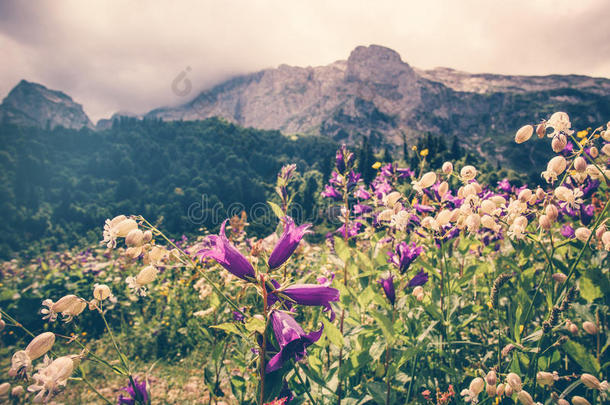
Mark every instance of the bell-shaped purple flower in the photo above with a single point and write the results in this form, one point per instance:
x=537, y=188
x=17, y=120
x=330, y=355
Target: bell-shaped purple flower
x=291, y=338
x=288, y=243
x=362, y=193
x=331, y=192
x=587, y=212
x=567, y=231
x=388, y=287
x=310, y=295
x=405, y=255
x=227, y=255
x=420, y=278
x=138, y=393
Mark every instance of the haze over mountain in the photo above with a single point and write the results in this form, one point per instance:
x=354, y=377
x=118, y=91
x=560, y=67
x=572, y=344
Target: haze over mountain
x=373, y=93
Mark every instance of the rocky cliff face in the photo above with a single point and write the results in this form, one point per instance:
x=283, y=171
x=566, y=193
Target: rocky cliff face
x=32, y=104
x=374, y=93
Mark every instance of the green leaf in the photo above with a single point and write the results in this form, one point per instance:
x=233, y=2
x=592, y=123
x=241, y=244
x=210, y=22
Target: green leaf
x=276, y=209
x=228, y=327
x=342, y=249
x=385, y=324
x=255, y=325
x=588, y=290
x=579, y=354
x=333, y=333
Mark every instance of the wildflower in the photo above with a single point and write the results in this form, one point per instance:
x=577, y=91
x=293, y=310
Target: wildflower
x=40, y=345
x=498, y=283
x=424, y=152
x=419, y=279
x=228, y=256
x=590, y=328
x=405, y=255
x=559, y=143
x=4, y=389
x=606, y=240
x=426, y=181
x=376, y=165
x=69, y=306
x=525, y=398
x=17, y=391
x=559, y=277
x=388, y=288
x=344, y=158
x=21, y=364
x=291, y=338
x=362, y=193
x=468, y=173
x=101, y=292
x=418, y=293
x=119, y=226
x=559, y=122
x=524, y=133
x=51, y=379
x=567, y=231
x=146, y=276
x=545, y=378
x=288, y=243
x=578, y=400
x=331, y=192
x=310, y=295
x=137, y=393
x=590, y=381
x=447, y=168
x=582, y=234
x=514, y=381
x=551, y=212
x=570, y=197
x=391, y=199
x=517, y=228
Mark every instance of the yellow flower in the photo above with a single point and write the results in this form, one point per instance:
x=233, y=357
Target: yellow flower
x=520, y=328
x=424, y=152
x=582, y=134
x=414, y=147
x=376, y=165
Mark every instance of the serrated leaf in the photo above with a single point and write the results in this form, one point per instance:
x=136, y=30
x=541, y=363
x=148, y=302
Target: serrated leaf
x=333, y=333
x=255, y=325
x=579, y=354
x=276, y=209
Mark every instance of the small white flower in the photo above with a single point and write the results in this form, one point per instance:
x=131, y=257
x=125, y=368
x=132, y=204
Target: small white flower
x=559, y=122
x=468, y=173
x=21, y=364
x=524, y=133
x=51, y=379
x=146, y=276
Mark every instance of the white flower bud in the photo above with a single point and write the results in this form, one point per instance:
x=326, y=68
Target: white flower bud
x=551, y=212
x=491, y=390
x=590, y=328
x=525, y=398
x=64, y=303
x=40, y=345
x=500, y=390
x=540, y=194
x=101, y=292
x=4, y=389
x=594, y=172
x=606, y=149
x=525, y=195
x=582, y=233
x=134, y=238
x=514, y=381
x=124, y=227
x=593, y=152
x=443, y=217
x=545, y=378
x=17, y=391
x=418, y=290
x=469, y=190
x=545, y=222
x=590, y=381
x=498, y=200
x=541, y=130
x=562, y=401
x=559, y=142
x=578, y=400
x=606, y=240
x=487, y=207
x=147, y=275
x=391, y=199
x=468, y=173
x=508, y=390
x=580, y=164
x=524, y=133
x=557, y=165
x=147, y=236
x=491, y=378
x=477, y=385
x=559, y=277
x=447, y=167
x=443, y=188
x=572, y=328
x=2, y=325
x=427, y=180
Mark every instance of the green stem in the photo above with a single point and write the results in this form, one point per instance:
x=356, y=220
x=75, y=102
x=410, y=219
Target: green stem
x=99, y=394
x=413, y=365
x=296, y=371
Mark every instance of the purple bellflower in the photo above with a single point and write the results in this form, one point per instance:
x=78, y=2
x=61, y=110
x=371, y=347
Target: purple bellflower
x=291, y=237
x=567, y=231
x=404, y=255
x=331, y=192
x=227, y=255
x=420, y=278
x=292, y=339
x=138, y=392
x=388, y=287
x=310, y=295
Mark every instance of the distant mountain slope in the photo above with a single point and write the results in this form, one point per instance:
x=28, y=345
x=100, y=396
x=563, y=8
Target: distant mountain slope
x=375, y=93
x=32, y=104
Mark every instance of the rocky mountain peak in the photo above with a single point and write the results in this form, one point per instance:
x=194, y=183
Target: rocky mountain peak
x=376, y=64
x=33, y=104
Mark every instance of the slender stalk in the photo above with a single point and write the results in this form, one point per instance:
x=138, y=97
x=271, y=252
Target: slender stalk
x=388, y=355
x=345, y=282
x=263, y=349
x=296, y=371
x=99, y=394
x=413, y=365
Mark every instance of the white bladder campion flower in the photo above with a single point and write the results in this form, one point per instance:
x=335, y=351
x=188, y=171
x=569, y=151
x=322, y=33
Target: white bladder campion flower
x=146, y=276
x=21, y=364
x=570, y=197
x=101, y=292
x=426, y=181
x=559, y=122
x=118, y=227
x=69, y=306
x=51, y=379
x=40, y=345
x=524, y=133
x=447, y=168
x=468, y=173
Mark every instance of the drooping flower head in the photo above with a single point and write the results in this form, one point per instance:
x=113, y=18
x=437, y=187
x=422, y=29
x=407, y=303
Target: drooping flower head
x=138, y=392
x=404, y=255
x=227, y=255
x=310, y=295
x=290, y=239
x=388, y=287
x=291, y=338
x=331, y=192
x=420, y=278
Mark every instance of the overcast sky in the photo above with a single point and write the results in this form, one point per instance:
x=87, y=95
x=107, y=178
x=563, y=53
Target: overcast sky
x=124, y=55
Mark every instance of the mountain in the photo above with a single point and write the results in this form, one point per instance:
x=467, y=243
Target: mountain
x=375, y=93
x=32, y=104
